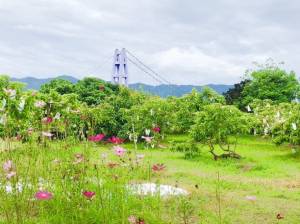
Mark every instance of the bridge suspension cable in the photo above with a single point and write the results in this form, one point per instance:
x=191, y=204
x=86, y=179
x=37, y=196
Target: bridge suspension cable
x=154, y=74
x=145, y=71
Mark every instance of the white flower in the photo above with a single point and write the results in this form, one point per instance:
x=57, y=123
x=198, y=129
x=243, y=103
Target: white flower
x=147, y=132
x=294, y=126
x=3, y=104
x=250, y=198
x=3, y=119
x=151, y=112
x=21, y=105
x=249, y=108
x=57, y=116
x=47, y=134
x=8, y=189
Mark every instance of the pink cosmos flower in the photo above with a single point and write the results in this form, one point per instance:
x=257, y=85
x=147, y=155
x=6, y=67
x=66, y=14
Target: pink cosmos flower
x=11, y=174
x=119, y=151
x=250, y=198
x=79, y=158
x=43, y=195
x=39, y=104
x=158, y=167
x=115, y=140
x=47, y=134
x=156, y=129
x=7, y=166
x=10, y=92
x=47, y=120
x=147, y=139
x=132, y=219
x=141, y=221
x=89, y=194
x=18, y=137
x=96, y=138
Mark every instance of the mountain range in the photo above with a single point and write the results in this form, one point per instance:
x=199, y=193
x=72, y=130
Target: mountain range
x=160, y=90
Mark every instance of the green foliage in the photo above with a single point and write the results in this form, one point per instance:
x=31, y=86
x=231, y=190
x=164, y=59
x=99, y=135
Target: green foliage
x=154, y=112
x=182, y=110
x=234, y=95
x=59, y=85
x=92, y=91
x=214, y=126
x=190, y=149
x=271, y=82
x=279, y=121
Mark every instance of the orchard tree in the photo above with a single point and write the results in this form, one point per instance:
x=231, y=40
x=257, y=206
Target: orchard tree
x=218, y=126
x=153, y=114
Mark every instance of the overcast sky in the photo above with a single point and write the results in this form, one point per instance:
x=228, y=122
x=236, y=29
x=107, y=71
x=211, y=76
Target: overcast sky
x=187, y=42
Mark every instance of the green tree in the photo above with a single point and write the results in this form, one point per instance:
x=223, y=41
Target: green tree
x=219, y=125
x=234, y=95
x=271, y=82
x=93, y=91
x=59, y=85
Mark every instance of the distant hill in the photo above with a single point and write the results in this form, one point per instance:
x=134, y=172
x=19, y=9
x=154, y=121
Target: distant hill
x=176, y=90
x=35, y=83
x=160, y=90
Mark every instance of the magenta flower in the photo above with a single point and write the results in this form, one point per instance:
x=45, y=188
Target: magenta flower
x=158, y=167
x=89, y=194
x=96, y=138
x=115, y=140
x=7, y=166
x=119, y=151
x=43, y=195
x=47, y=120
x=156, y=129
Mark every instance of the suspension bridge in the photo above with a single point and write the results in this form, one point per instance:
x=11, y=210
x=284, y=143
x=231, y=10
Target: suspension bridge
x=120, y=71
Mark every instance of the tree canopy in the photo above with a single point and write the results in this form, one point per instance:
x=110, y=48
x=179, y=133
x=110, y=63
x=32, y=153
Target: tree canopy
x=271, y=83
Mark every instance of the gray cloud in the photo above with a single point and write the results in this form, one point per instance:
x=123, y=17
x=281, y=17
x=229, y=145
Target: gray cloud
x=194, y=42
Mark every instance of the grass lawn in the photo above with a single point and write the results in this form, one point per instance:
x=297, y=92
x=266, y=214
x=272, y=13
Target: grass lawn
x=218, y=189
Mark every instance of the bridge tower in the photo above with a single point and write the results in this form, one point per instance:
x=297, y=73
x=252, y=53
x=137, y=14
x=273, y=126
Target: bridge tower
x=120, y=68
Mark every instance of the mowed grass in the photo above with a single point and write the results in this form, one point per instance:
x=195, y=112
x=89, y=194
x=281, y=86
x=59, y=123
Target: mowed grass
x=268, y=172
x=217, y=189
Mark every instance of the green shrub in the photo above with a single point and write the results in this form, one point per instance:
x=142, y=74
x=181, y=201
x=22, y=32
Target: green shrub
x=190, y=149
